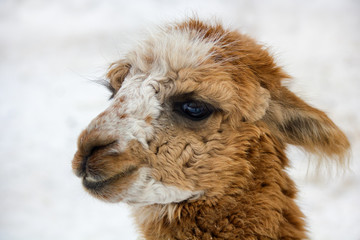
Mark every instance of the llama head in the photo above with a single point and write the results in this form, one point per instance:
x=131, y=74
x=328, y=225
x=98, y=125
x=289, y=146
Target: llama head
x=188, y=106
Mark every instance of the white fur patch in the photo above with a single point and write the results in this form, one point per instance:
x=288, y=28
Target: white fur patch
x=146, y=191
x=125, y=120
x=171, y=49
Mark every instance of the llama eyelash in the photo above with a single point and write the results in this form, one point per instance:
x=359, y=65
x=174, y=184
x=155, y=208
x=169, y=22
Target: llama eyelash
x=108, y=86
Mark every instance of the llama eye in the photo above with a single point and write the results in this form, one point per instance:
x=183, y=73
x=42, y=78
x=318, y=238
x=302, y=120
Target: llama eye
x=193, y=110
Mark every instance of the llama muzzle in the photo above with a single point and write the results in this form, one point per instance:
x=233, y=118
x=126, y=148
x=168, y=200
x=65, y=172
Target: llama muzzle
x=99, y=160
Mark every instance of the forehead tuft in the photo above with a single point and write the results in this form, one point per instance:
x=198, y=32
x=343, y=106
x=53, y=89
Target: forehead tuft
x=171, y=49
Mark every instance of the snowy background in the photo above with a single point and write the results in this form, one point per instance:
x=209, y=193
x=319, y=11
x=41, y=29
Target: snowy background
x=51, y=50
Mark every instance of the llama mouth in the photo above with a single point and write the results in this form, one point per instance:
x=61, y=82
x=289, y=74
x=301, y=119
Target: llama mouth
x=94, y=185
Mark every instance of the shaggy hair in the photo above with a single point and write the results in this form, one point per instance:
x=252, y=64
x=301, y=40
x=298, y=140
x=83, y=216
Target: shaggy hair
x=195, y=135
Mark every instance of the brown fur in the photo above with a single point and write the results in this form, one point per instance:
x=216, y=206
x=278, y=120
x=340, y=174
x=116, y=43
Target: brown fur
x=236, y=157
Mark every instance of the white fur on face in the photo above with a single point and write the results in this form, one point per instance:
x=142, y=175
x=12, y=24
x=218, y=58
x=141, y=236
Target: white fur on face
x=125, y=119
x=146, y=191
x=171, y=50
x=138, y=99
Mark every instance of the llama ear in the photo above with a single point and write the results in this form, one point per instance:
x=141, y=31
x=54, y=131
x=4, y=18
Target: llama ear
x=297, y=123
x=117, y=73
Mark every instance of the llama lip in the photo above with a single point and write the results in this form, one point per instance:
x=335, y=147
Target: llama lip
x=91, y=184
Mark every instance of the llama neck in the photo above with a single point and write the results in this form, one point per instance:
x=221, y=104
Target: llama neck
x=265, y=209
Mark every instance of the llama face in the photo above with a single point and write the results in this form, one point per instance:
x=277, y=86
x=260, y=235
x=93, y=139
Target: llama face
x=122, y=154
x=145, y=148
x=189, y=107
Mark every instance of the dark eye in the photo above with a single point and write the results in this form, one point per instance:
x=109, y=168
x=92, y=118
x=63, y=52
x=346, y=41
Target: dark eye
x=193, y=110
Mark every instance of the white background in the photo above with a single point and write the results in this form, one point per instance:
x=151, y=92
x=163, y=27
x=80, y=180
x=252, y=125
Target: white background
x=51, y=50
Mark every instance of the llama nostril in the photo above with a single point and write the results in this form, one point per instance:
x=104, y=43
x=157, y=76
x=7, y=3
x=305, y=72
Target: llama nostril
x=96, y=148
x=83, y=169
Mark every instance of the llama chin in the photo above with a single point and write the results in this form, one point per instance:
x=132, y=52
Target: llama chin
x=195, y=136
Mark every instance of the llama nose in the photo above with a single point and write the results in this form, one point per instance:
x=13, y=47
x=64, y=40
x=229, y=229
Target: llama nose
x=90, y=144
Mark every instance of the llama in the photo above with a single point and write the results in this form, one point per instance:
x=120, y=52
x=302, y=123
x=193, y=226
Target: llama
x=195, y=136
